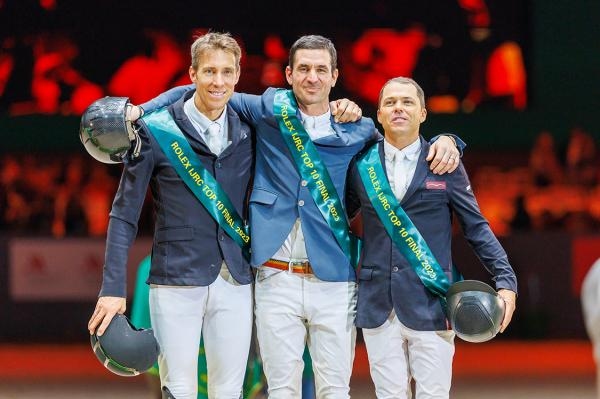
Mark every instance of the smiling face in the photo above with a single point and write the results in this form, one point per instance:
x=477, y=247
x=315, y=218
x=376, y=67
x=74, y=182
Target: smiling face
x=215, y=78
x=312, y=78
x=400, y=113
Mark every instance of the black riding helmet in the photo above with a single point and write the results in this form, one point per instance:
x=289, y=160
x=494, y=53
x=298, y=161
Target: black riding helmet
x=124, y=349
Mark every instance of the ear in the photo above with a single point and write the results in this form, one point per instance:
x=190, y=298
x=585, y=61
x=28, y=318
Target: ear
x=423, y=115
x=379, y=116
x=335, y=76
x=192, y=73
x=238, y=72
x=288, y=74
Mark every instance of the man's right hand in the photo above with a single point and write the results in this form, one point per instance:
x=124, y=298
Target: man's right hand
x=106, y=308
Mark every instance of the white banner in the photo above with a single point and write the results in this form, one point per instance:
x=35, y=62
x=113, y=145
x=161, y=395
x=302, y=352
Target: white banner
x=63, y=269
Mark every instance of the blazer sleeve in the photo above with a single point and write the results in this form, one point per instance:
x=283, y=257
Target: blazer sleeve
x=124, y=216
x=166, y=98
x=249, y=107
x=477, y=231
x=460, y=144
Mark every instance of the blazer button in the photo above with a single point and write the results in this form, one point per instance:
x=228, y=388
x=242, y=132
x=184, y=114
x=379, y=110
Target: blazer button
x=218, y=165
x=222, y=237
x=395, y=268
x=303, y=183
x=301, y=203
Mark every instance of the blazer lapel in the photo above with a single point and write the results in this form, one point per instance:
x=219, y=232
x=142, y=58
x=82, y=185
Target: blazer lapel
x=341, y=136
x=234, y=132
x=382, y=158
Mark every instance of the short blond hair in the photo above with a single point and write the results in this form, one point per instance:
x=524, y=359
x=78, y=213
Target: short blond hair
x=215, y=41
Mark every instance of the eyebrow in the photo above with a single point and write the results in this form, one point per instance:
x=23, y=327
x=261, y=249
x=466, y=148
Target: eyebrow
x=313, y=65
x=397, y=97
x=226, y=68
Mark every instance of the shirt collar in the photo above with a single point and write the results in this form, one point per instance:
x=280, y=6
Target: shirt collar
x=199, y=119
x=316, y=122
x=411, y=151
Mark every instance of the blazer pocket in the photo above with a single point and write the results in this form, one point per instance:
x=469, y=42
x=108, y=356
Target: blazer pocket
x=434, y=195
x=175, y=234
x=365, y=273
x=263, y=196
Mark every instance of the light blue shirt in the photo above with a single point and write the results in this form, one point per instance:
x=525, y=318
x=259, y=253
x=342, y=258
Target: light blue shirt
x=201, y=123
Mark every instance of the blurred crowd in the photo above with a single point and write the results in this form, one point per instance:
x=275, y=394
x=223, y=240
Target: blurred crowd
x=558, y=189
x=71, y=194
x=49, y=195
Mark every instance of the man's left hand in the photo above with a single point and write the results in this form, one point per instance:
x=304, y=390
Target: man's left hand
x=444, y=156
x=345, y=110
x=510, y=304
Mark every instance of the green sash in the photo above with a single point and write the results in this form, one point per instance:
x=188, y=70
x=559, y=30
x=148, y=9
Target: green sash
x=204, y=186
x=398, y=225
x=312, y=169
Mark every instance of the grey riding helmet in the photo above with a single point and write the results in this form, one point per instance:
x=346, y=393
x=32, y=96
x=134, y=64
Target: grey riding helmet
x=105, y=132
x=475, y=310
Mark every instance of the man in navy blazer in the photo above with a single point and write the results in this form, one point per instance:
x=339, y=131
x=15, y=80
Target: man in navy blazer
x=200, y=282
x=404, y=326
x=305, y=290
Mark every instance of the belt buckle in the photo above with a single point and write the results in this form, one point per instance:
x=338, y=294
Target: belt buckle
x=300, y=267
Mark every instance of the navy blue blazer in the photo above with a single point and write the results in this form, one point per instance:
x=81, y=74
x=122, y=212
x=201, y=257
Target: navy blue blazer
x=189, y=246
x=386, y=279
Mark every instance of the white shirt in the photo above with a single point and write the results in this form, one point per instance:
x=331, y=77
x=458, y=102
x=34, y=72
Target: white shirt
x=400, y=165
x=294, y=247
x=201, y=123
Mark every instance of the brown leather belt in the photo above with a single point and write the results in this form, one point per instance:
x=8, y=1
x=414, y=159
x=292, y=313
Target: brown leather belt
x=294, y=267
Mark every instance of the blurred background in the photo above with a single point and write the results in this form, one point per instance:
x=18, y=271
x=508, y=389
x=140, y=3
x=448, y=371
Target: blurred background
x=518, y=80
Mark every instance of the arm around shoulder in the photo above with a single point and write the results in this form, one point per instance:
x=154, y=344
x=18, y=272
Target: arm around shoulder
x=166, y=98
x=456, y=140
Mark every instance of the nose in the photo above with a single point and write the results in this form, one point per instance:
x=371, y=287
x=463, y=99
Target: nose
x=218, y=79
x=312, y=75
